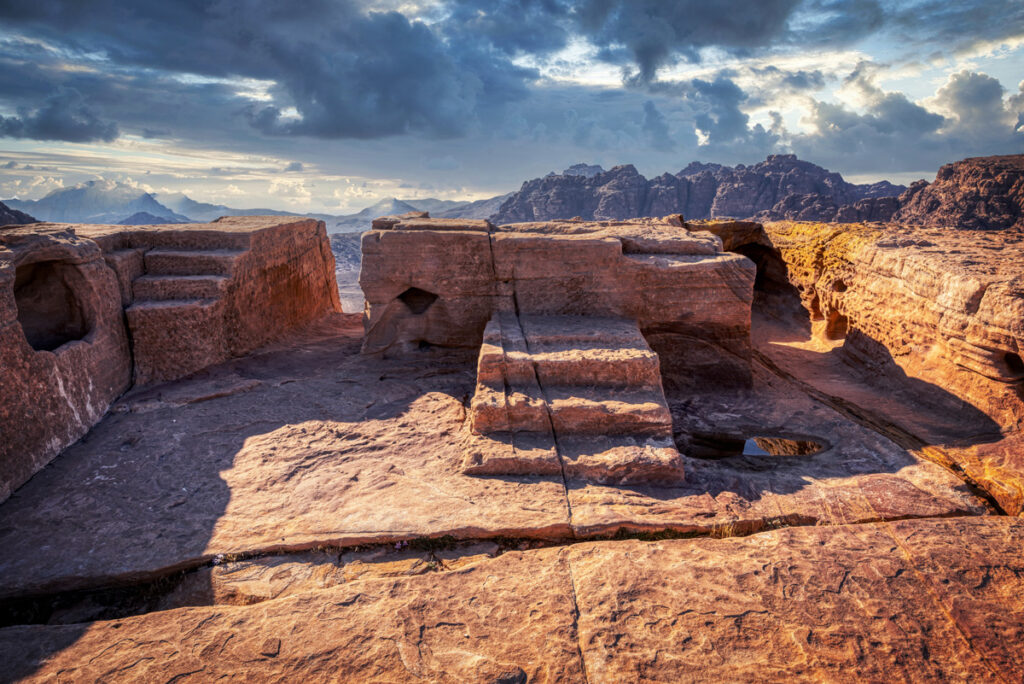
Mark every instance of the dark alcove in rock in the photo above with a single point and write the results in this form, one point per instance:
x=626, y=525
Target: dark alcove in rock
x=48, y=310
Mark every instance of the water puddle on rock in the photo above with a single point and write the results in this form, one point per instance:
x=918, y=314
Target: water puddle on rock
x=757, y=449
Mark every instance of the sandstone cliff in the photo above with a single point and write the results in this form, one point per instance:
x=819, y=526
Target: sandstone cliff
x=978, y=193
x=780, y=187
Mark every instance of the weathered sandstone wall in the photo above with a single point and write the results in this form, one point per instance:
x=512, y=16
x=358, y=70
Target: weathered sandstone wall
x=946, y=308
x=64, y=352
x=438, y=282
x=88, y=310
x=198, y=295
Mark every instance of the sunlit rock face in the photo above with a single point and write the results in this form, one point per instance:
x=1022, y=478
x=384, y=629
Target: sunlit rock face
x=981, y=193
x=930, y=319
x=439, y=281
x=512, y=473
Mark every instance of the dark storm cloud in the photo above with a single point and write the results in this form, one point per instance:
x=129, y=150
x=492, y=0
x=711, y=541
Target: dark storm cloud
x=950, y=25
x=510, y=26
x=348, y=73
x=836, y=22
x=790, y=81
x=62, y=116
x=653, y=30
x=722, y=120
x=656, y=127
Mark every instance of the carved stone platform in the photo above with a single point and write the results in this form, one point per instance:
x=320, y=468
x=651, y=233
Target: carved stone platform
x=578, y=395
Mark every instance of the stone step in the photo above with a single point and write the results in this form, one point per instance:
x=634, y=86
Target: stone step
x=182, y=287
x=511, y=453
x=508, y=409
x=598, y=367
x=191, y=262
x=621, y=460
x=542, y=332
x=175, y=337
x=606, y=411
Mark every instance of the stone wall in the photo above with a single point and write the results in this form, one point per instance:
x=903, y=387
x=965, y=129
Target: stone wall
x=86, y=311
x=438, y=282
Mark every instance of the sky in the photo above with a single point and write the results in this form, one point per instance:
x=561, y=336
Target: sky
x=330, y=105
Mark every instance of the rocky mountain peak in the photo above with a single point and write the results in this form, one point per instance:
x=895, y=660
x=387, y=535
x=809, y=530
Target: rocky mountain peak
x=698, y=191
x=979, y=193
x=13, y=217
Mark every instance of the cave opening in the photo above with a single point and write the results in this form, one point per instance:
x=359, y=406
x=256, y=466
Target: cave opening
x=774, y=294
x=49, y=312
x=836, y=326
x=417, y=300
x=1014, y=363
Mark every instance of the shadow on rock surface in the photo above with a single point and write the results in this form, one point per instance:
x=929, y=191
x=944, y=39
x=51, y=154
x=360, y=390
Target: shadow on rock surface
x=217, y=463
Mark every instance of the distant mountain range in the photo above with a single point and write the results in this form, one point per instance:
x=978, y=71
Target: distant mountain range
x=781, y=187
x=118, y=203
x=95, y=202
x=13, y=217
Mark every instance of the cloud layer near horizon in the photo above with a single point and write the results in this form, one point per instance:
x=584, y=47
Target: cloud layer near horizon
x=863, y=86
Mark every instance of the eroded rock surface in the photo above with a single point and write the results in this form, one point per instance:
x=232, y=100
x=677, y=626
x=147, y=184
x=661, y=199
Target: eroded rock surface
x=983, y=193
x=311, y=443
x=917, y=600
x=64, y=351
x=303, y=512
x=573, y=395
x=917, y=331
x=439, y=281
x=85, y=311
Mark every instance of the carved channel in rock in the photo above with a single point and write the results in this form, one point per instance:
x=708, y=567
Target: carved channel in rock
x=1014, y=364
x=418, y=300
x=49, y=311
x=837, y=326
x=715, y=446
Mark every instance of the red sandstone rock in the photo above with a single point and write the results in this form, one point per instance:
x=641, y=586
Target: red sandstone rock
x=440, y=287
x=910, y=601
x=982, y=193
x=63, y=348
x=193, y=296
x=940, y=303
x=197, y=295
x=309, y=443
x=507, y=620
x=924, y=600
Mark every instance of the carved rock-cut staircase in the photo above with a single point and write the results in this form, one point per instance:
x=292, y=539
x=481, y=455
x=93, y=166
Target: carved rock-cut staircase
x=575, y=395
x=176, y=305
